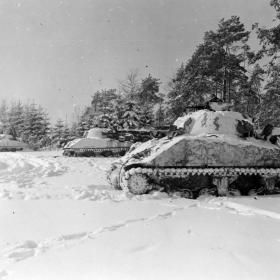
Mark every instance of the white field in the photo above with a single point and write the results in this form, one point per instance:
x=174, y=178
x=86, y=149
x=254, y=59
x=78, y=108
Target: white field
x=59, y=219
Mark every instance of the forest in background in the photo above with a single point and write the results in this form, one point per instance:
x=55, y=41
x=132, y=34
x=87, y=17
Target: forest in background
x=223, y=65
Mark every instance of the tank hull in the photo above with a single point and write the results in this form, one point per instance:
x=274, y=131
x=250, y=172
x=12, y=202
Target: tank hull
x=216, y=164
x=90, y=147
x=212, y=151
x=8, y=145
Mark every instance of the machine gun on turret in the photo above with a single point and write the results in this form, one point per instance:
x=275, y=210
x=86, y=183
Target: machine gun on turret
x=213, y=104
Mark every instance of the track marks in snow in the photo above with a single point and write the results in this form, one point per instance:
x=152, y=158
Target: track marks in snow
x=29, y=248
x=250, y=211
x=142, y=248
x=18, y=252
x=237, y=208
x=166, y=215
x=72, y=236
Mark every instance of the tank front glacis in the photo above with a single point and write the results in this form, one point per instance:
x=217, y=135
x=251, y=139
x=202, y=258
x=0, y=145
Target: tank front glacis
x=96, y=143
x=211, y=151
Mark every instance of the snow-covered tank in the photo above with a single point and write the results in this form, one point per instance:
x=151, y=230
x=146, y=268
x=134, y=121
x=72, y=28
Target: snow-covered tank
x=8, y=144
x=96, y=143
x=211, y=152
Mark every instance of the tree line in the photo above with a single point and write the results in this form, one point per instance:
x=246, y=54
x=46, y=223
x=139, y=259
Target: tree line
x=29, y=123
x=222, y=65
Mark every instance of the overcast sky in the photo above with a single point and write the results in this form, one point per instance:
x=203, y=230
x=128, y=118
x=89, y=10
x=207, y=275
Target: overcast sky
x=58, y=53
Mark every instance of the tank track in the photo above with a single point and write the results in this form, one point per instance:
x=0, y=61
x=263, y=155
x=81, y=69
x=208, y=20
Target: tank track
x=92, y=152
x=222, y=175
x=10, y=149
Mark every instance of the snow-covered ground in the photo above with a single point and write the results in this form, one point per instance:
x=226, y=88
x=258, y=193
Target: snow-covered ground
x=59, y=219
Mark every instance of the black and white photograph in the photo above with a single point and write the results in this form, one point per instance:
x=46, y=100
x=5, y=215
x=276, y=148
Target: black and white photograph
x=139, y=139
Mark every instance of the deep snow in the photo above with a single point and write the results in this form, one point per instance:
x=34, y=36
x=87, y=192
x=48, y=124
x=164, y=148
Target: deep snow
x=59, y=219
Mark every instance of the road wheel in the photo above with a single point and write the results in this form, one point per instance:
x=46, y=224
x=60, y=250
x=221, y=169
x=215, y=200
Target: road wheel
x=122, y=153
x=138, y=184
x=186, y=193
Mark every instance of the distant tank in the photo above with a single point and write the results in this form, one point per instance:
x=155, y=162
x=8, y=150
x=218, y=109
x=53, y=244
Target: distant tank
x=8, y=144
x=212, y=151
x=96, y=143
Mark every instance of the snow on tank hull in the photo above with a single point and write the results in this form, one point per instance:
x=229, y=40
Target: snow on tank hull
x=198, y=162
x=96, y=145
x=7, y=144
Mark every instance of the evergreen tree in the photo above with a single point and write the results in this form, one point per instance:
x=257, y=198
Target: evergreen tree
x=87, y=121
x=270, y=112
x=3, y=117
x=105, y=111
x=148, y=91
x=146, y=116
x=130, y=118
x=15, y=120
x=74, y=130
x=252, y=95
x=270, y=37
x=270, y=42
x=58, y=133
x=160, y=112
x=216, y=67
x=147, y=98
x=35, y=125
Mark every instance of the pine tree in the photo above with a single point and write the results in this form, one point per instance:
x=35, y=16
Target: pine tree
x=270, y=112
x=216, y=67
x=87, y=121
x=252, y=95
x=160, y=112
x=146, y=116
x=44, y=139
x=147, y=99
x=3, y=117
x=148, y=91
x=58, y=133
x=270, y=49
x=270, y=37
x=74, y=130
x=16, y=119
x=130, y=118
x=35, y=125
x=105, y=111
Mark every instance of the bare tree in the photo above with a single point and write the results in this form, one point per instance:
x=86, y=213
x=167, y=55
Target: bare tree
x=131, y=84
